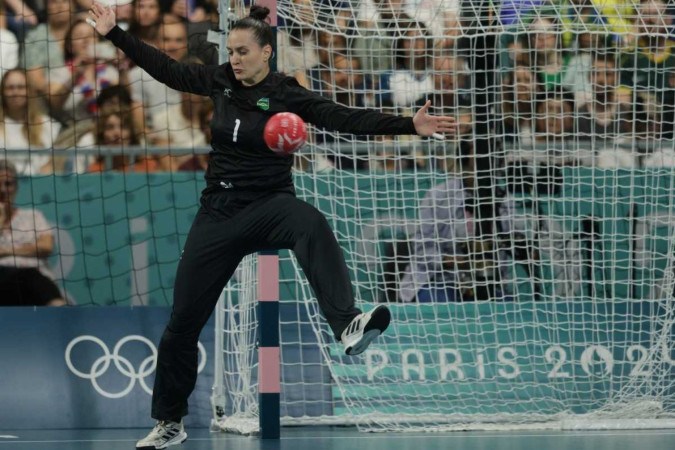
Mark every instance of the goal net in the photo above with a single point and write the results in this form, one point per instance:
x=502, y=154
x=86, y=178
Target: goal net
x=527, y=260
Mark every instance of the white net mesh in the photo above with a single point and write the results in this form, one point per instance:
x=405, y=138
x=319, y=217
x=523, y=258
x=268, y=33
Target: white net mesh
x=548, y=302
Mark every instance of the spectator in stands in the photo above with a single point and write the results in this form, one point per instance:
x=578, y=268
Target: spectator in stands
x=337, y=76
x=548, y=57
x=378, y=28
x=586, y=19
x=518, y=107
x=115, y=129
x=297, y=44
x=411, y=78
x=199, y=16
x=118, y=98
x=9, y=47
x=604, y=119
x=26, y=240
x=24, y=125
x=22, y=16
x=449, y=261
x=188, y=10
x=113, y=98
x=515, y=51
x=580, y=67
x=44, y=45
x=645, y=71
x=124, y=11
x=145, y=21
x=380, y=21
x=448, y=97
x=555, y=117
x=179, y=127
x=449, y=86
x=89, y=68
x=153, y=95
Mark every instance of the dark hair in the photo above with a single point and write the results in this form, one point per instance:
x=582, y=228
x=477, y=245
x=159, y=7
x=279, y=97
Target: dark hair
x=191, y=59
x=125, y=119
x=68, y=40
x=145, y=33
x=3, y=82
x=262, y=31
x=409, y=25
x=114, y=91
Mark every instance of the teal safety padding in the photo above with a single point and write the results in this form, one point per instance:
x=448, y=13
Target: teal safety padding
x=119, y=236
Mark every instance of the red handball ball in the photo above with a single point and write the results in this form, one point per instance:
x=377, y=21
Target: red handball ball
x=285, y=133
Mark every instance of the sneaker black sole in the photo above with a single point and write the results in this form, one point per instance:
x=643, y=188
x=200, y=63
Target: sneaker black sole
x=379, y=321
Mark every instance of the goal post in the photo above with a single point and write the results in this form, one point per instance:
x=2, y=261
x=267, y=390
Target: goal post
x=547, y=304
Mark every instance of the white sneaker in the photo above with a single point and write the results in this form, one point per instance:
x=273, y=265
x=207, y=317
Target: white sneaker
x=364, y=329
x=165, y=434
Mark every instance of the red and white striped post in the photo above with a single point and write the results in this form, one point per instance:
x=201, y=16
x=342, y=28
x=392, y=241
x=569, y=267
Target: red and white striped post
x=269, y=358
x=269, y=363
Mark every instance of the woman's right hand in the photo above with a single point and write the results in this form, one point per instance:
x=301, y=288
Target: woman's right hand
x=103, y=17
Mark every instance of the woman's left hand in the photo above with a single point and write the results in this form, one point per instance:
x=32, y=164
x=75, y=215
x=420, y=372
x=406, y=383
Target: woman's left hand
x=102, y=18
x=428, y=125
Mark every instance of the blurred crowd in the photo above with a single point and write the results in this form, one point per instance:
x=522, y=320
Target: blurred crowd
x=64, y=88
x=597, y=72
x=591, y=81
x=570, y=75
x=568, y=71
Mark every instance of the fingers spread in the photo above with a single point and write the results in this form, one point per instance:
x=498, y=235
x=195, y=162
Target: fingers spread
x=98, y=9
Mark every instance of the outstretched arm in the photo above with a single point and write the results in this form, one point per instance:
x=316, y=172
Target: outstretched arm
x=428, y=125
x=194, y=78
x=325, y=113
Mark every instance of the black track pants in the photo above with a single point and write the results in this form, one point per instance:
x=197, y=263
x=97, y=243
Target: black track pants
x=215, y=245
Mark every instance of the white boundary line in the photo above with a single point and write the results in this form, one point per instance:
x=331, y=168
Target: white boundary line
x=451, y=435
x=493, y=435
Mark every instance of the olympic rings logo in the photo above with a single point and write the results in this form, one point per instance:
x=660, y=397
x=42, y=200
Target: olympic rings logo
x=122, y=364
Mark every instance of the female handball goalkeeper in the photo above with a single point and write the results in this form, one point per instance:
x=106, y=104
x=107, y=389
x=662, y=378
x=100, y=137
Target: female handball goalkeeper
x=249, y=202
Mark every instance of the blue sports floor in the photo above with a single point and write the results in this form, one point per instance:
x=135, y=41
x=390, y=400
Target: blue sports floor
x=326, y=438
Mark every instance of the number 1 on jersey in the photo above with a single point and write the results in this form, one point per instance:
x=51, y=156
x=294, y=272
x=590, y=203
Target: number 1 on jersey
x=237, y=122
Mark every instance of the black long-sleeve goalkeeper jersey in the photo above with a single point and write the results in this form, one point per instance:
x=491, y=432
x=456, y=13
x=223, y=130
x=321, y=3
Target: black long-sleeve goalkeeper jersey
x=240, y=159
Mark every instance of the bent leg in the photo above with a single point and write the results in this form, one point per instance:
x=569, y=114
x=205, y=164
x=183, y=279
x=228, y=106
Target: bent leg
x=286, y=222
x=323, y=263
